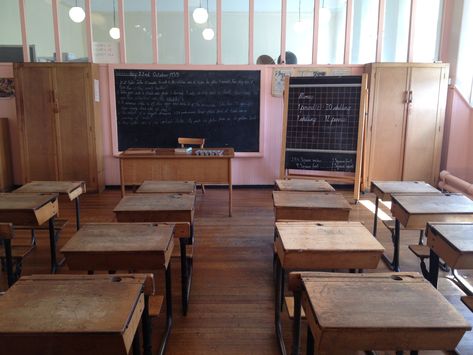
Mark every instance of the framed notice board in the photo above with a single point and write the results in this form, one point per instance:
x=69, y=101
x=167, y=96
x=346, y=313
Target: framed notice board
x=323, y=127
x=155, y=107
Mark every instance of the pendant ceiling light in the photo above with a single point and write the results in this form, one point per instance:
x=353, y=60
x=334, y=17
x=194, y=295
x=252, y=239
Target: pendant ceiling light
x=77, y=14
x=200, y=15
x=325, y=13
x=114, y=31
x=299, y=25
x=208, y=33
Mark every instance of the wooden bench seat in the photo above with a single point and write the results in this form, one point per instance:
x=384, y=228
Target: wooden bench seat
x=59, y=225
x=289, y=301
x=421, y=251
x=19, y=252
x=155, y=305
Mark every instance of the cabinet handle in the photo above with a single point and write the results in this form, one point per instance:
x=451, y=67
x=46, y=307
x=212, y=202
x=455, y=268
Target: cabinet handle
x=55, y=102
x=410, y=97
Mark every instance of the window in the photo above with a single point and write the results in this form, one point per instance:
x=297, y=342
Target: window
x=39, y=29
x=10, y=32
x=267, y=31
x=138, y=30
x=203, y=40
x=73, y=34
x=171, y=49
x=364, y=33
x=428, y=24
x=300, y=29
x=235, y=31
x=105, y=18
x=396, y=31
x=332, y=22
x=464, y=80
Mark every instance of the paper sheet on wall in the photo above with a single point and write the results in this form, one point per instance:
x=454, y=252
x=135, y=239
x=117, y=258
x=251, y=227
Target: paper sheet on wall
x=106, y=52
x=96, y=90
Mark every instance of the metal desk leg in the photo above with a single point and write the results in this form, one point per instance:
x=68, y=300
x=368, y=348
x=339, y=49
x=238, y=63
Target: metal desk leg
x=394, y=264
x=310, y=342
x=167, y=333
x=146, y=323
x=433, y=268
x=296, y=326
x=52, y=245
x=77, y=213
x=186, y=270
x=277, y=306
x=375, y=223
x=9, y=262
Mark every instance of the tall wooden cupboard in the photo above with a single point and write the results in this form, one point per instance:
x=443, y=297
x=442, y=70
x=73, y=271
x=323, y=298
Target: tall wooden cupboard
x=405, y=121
x=59, y=122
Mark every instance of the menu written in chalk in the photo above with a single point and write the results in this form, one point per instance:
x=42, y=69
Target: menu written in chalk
x=155, y=107
x=322, y=123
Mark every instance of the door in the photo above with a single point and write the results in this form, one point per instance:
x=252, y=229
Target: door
x=387, y=131
x=36, y=109
x=422, y=124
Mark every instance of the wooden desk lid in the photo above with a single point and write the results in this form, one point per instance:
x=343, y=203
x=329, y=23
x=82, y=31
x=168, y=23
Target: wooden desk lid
x=156, y=202
x=116, y=237
x=389, y=187
x=457, y=235
x=433, y=204
x=327, y=236
x=397, y=302
x=304, y=185
x=64, y=187
x=68, y=307
x=150, y=186
x=24, y=201
x=299, y=199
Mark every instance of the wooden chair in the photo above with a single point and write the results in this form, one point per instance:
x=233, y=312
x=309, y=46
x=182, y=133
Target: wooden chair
x=184, y=141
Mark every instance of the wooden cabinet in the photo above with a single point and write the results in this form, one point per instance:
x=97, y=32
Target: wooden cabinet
x=405, y=121
x=6, y=171
x=59, y=123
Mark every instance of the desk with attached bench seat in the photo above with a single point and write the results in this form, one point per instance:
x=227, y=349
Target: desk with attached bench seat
x=72, y=189
x=308, y=246
x=415, y=211
x=172, y=208
x=125, y=246
x=31, y=209
x=350, y=312
x=74, y=314
x=165, y=164
x=154, y=187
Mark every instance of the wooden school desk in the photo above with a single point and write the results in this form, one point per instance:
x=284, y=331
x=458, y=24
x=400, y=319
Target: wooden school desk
x=165, y=164
x=306, y=246
x=453, y=243
x=183, y=187
x=384, y=189
x=172, y=208
x=297, y=205
x=72, y=189
x=73, y=314
x=414, y=211
x=125, y=246
x=350, y=312
x=306, y=185
x=31, y=209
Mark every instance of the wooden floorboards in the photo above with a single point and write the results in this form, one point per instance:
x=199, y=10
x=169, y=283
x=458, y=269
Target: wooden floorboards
x=231, y=303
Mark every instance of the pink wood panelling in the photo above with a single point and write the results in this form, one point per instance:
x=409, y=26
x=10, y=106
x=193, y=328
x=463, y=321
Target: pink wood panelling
x=187, y=40
x=251, y=16
x=219, y=32
x=88, y=29
x=154, y=32
x=379, y=40
x=283, y=31
x=24, y=41
x=412, y=29
x=121, y=25
x=348, y=28
x=316, y=30
x=57, y=36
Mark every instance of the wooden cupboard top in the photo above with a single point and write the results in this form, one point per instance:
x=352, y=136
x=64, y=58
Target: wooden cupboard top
x=120, y=237
x=433, y=204
x=65, y=307
x=149, y=186
x=308, y=200
x=156, y=202
x=303, y=185
x=169, y=153
x=70, y=188
x=339, y=236
x=384, y=189
x=380, y=303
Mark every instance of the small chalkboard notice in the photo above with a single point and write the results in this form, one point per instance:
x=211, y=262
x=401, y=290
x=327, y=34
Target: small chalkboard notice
x=323, y=124
x=155, y=107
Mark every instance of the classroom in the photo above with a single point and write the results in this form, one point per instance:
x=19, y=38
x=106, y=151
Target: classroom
x=236, y=177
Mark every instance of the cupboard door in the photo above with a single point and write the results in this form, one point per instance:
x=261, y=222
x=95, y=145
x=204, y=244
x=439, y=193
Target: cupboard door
x=73, y=121
x=422, y=124
x=388, y=113
x=36, y=108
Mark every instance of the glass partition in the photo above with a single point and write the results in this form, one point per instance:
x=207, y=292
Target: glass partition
x=396, y=31
x=106, y=48
x=428, y=26
x=331, y=39
x=11, y=49
x=171, y=48
x=203, y=39
x=40, y=30
x=267, y=31
x=364, y=33
x=73, y=30
x=300, y=30
x=235, y=31
x=138, y=29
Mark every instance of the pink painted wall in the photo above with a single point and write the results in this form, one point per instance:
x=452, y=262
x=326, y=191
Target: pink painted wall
x=459, y=146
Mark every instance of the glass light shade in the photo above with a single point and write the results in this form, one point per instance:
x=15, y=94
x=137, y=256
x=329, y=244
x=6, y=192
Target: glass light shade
x=114, y=32
x=200, y=15
x=208, y=34
x=299, y=26
x=325, y=15
x=77, y=14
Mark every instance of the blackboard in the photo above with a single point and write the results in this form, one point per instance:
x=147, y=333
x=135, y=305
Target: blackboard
x=155, y=107
x=322, y=123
